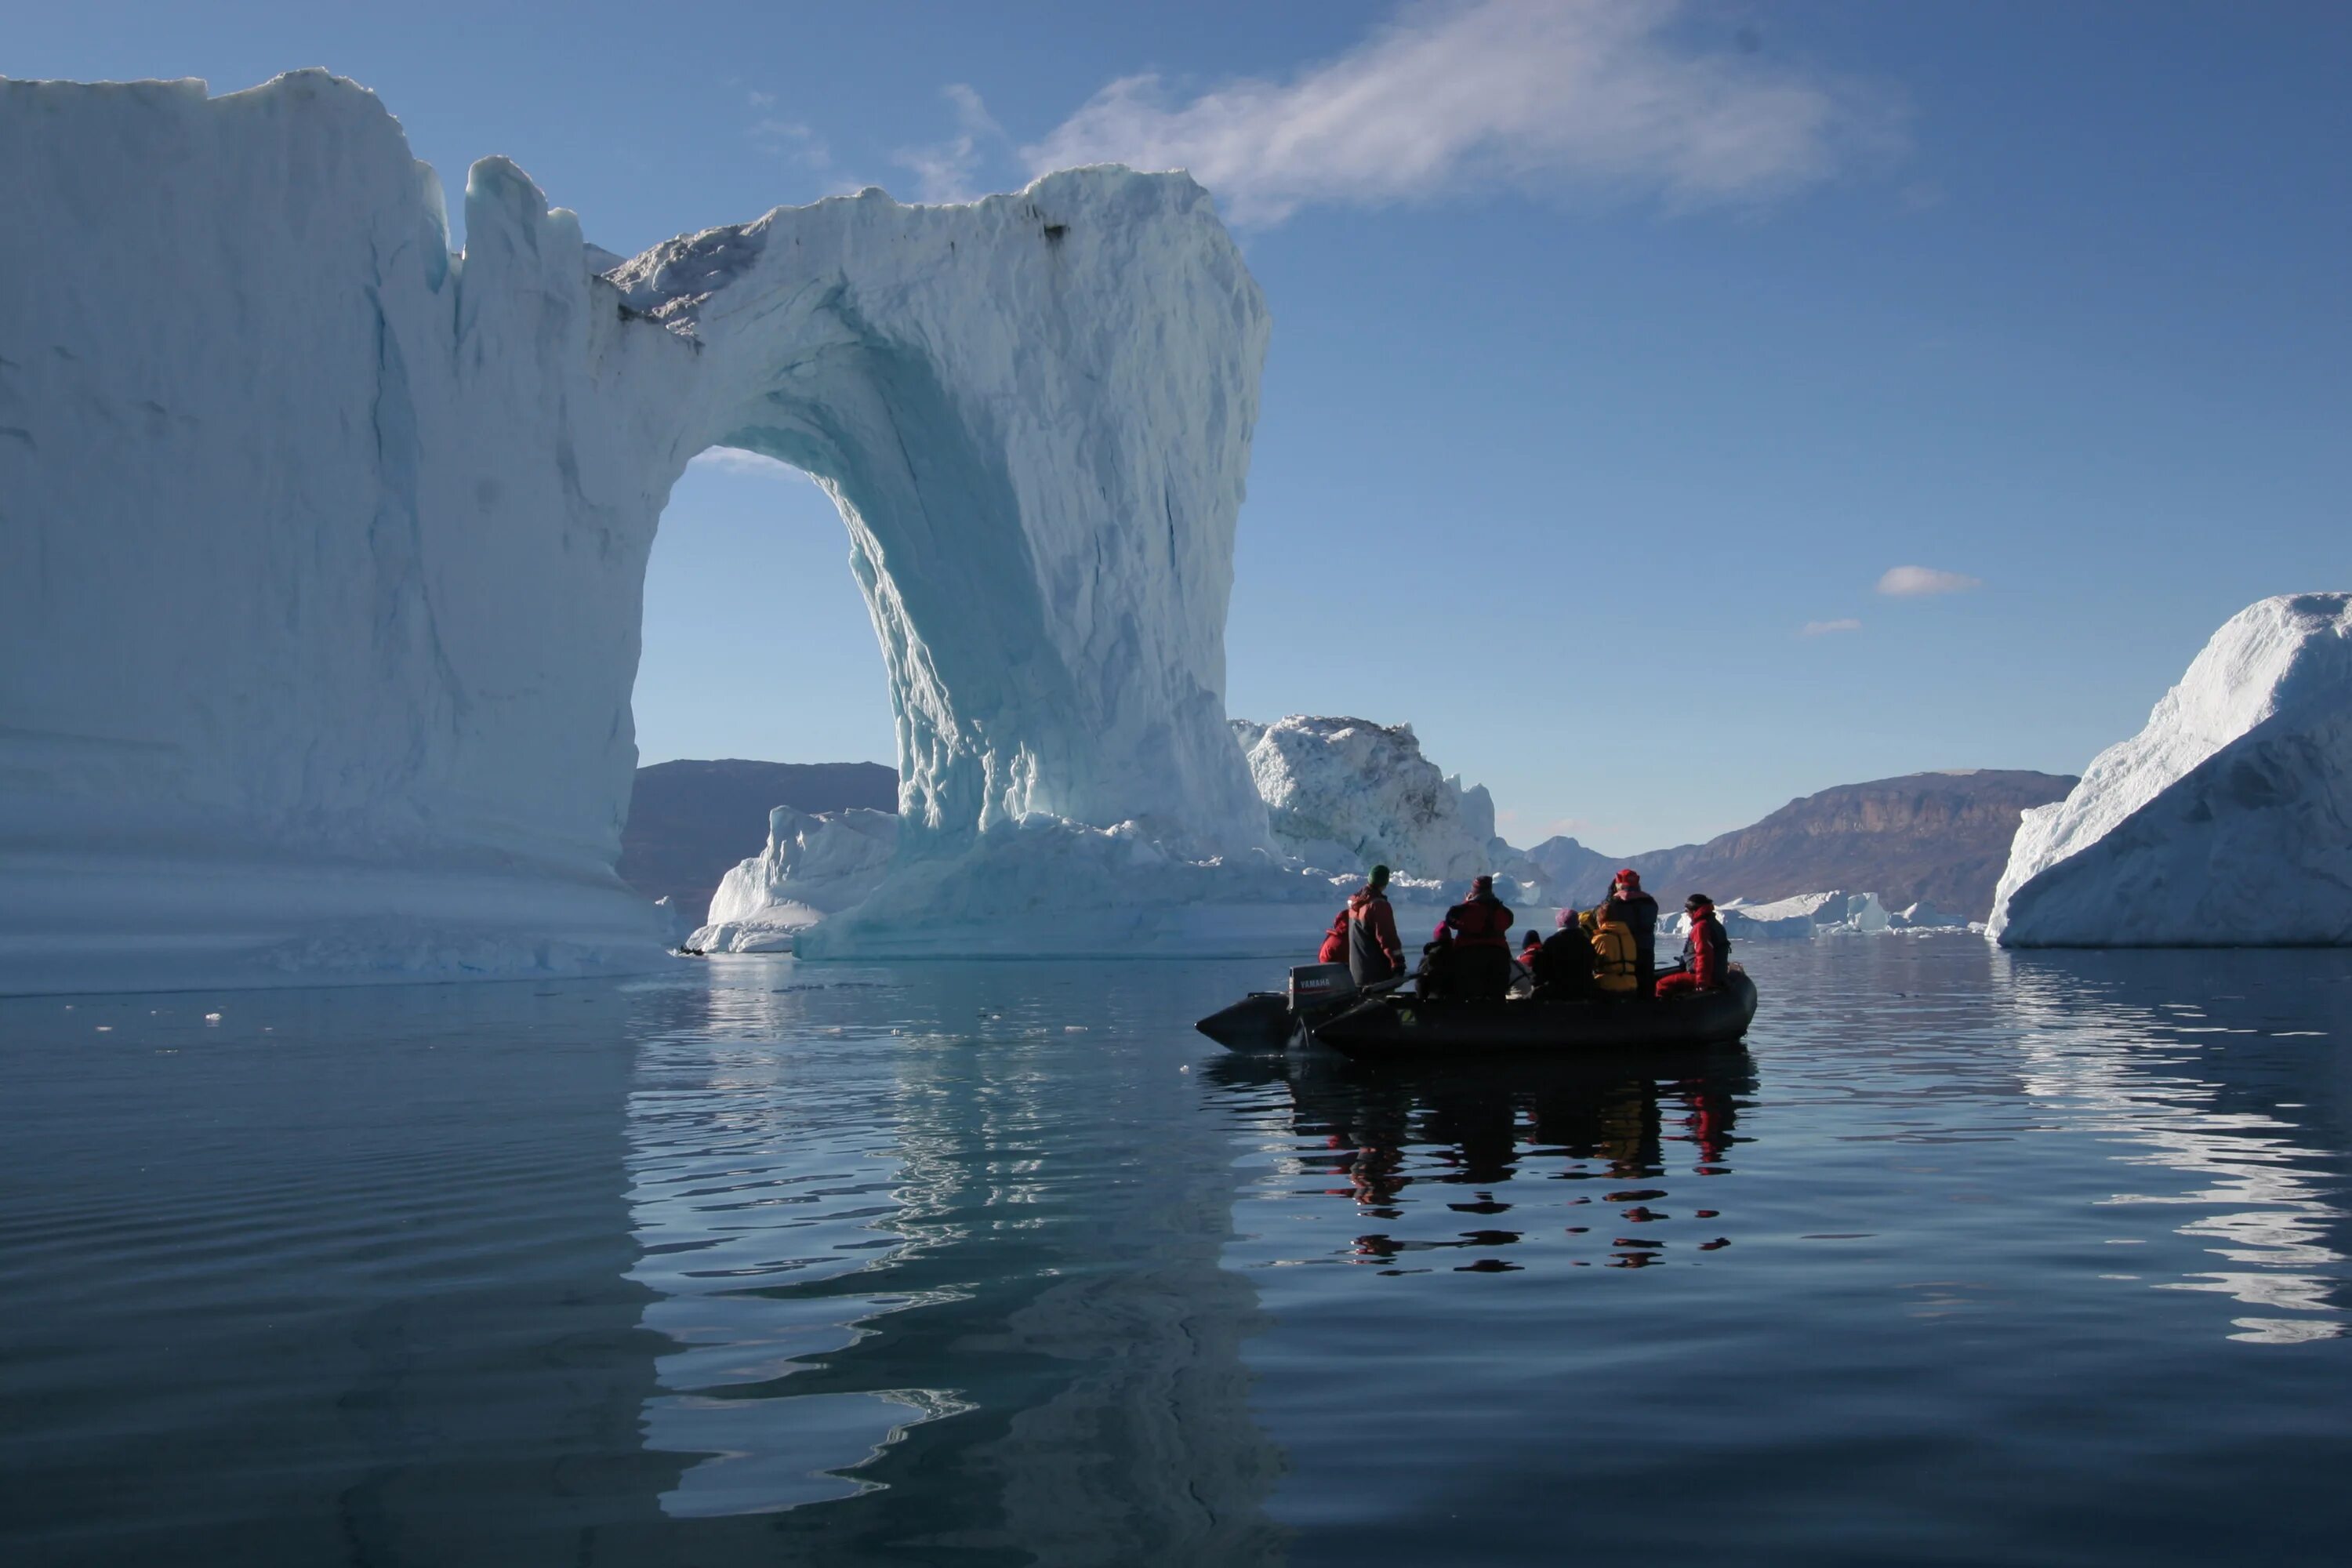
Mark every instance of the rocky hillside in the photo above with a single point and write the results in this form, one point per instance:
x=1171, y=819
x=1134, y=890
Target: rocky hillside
x=691, y=821
x=1941, y=838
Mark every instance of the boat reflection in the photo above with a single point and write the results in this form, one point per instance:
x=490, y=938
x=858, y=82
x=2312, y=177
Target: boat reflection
x=1416, y=1144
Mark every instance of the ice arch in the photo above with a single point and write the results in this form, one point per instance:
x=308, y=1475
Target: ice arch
x=325, y=547
x=1034, y=414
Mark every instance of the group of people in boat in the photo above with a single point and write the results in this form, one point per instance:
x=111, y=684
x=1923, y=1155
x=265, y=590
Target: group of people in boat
x=1608, y=951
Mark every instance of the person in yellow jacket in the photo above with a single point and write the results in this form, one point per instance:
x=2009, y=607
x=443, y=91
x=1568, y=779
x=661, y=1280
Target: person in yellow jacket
x=1616, y=963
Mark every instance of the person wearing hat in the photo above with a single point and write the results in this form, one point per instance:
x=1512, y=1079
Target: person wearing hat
x=1640, y=912
x=1616, y=968
x=1374, y=953
x=1482, y=950
x=1706, y=951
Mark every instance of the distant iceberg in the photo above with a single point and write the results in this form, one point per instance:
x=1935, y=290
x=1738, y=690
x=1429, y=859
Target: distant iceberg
x=2227, y=821
x=1349, y=794
x=816, y=864
x=1799, y=919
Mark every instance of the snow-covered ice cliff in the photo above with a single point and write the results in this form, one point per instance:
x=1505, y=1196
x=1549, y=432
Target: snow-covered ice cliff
x=322, y=549
x=2226, y=822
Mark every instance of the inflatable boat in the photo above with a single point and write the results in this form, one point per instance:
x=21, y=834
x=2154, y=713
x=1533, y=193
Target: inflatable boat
x=1402, y=1023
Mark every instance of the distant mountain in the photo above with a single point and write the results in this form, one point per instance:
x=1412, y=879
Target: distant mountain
x=1939, y=838
x=689, y=821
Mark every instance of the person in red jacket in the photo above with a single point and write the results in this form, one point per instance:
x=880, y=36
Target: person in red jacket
x=1706, y=951
x=1334, y=941
x=1374, y=953
x=1482, y=950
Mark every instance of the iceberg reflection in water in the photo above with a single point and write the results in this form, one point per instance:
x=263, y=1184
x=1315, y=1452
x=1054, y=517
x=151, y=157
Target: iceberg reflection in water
x=1965, y=1256
x=940, y=1256
x=2109, y=1046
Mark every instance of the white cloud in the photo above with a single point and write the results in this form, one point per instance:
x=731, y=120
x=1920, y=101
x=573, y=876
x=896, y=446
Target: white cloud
x=949, y=171
x=791, y=139
x=735, y=460
x=1824, y=628
x=1449, y=97
x=1911, y=582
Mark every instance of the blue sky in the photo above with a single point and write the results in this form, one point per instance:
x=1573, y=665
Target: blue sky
x=1615, y=346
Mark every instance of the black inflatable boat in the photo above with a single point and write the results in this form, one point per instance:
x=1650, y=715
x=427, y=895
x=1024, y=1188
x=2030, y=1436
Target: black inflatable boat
x=1324, y=1007
x=1407, y=1026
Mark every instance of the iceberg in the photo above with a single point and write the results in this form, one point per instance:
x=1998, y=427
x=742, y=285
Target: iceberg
x=2226, y=822
x=1799, y=919
x=816, y=864
x=1349, y=794
x=322, y=547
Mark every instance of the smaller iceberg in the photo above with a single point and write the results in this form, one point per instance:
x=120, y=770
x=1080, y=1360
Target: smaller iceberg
x=1927, y=916
x=2227, y=821
x=1349, y=794
x=816, y=864
x=1799, y=919
x=1346, y=795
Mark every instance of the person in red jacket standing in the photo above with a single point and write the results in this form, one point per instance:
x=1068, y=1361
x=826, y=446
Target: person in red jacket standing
x=1374, y=953
x=1706, y=951
x=1481, y=952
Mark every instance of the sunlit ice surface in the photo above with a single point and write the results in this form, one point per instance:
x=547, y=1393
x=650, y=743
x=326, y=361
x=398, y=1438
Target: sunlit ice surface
x=1964, y=1257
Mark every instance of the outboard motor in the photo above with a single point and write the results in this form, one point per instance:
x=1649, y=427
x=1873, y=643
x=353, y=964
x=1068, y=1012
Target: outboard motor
x=1320, y=988
x=1269, y=1020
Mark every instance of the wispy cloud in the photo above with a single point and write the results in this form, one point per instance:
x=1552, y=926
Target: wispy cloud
x=1912, y=582
x=949, y=171
x=735, y=460
x=791, y=139
x=1824, y=628
x=1480, y=94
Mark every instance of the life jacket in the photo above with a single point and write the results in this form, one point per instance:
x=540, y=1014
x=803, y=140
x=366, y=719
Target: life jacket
x=1616, y=967
x=1481, y=922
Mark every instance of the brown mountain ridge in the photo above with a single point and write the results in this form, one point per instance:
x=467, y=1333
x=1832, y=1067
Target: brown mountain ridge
x=1939, y=838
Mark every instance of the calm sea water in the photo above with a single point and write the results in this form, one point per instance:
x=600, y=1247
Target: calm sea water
x=1966, y=1258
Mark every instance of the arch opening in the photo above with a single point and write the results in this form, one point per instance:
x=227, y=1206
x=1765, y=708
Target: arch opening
x=1036, y=445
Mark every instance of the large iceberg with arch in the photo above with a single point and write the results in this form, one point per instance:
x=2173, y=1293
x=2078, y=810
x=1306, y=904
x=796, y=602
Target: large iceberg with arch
x=2226, y=822
x=321, y=548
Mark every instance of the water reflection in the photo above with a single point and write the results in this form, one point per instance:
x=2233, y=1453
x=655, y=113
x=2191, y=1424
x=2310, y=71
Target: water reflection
x=321, y=1277
x=2148, y=1050
x=1458, y=1145
x=943, y=1253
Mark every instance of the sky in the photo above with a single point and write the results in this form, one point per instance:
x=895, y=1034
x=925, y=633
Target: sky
x=1672, y=409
